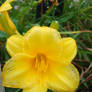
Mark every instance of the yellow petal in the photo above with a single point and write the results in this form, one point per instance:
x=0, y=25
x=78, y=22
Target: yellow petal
x=18, y=72
x=9, y=1
x=44, y=40
x=5, y=7
x=7, y=25
x=1, y=28
x=62, y=79
x=15, y=44
x=11, y=24
x=69, y=50
x=36, y=88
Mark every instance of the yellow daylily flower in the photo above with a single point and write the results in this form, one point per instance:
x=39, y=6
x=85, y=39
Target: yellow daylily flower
x=6, y=6
x=3, y=10
x=41, y=59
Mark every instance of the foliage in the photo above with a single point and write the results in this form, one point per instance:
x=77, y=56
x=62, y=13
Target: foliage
x=72, y=15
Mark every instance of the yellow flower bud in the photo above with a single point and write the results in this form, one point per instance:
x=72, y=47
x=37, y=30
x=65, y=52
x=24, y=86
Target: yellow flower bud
x=54, y=25
x=6, y=24
x=11, y=24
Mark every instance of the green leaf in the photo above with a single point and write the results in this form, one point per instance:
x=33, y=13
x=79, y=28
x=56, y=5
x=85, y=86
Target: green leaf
x=3, y=36
x=12, y=90
x=4, y=54
x=65, y=18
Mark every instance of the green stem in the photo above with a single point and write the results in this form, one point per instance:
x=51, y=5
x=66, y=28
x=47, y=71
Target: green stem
x=76, y=32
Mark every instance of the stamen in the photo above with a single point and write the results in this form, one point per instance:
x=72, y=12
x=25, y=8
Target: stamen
x=41, y=63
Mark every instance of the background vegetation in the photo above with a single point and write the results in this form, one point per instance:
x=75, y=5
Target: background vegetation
x=72, y=15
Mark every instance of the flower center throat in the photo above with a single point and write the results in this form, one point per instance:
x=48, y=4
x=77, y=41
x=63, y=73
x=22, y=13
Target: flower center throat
x=41, y=63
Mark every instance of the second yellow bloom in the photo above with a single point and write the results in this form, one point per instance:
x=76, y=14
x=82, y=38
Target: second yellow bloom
x=3, y=10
